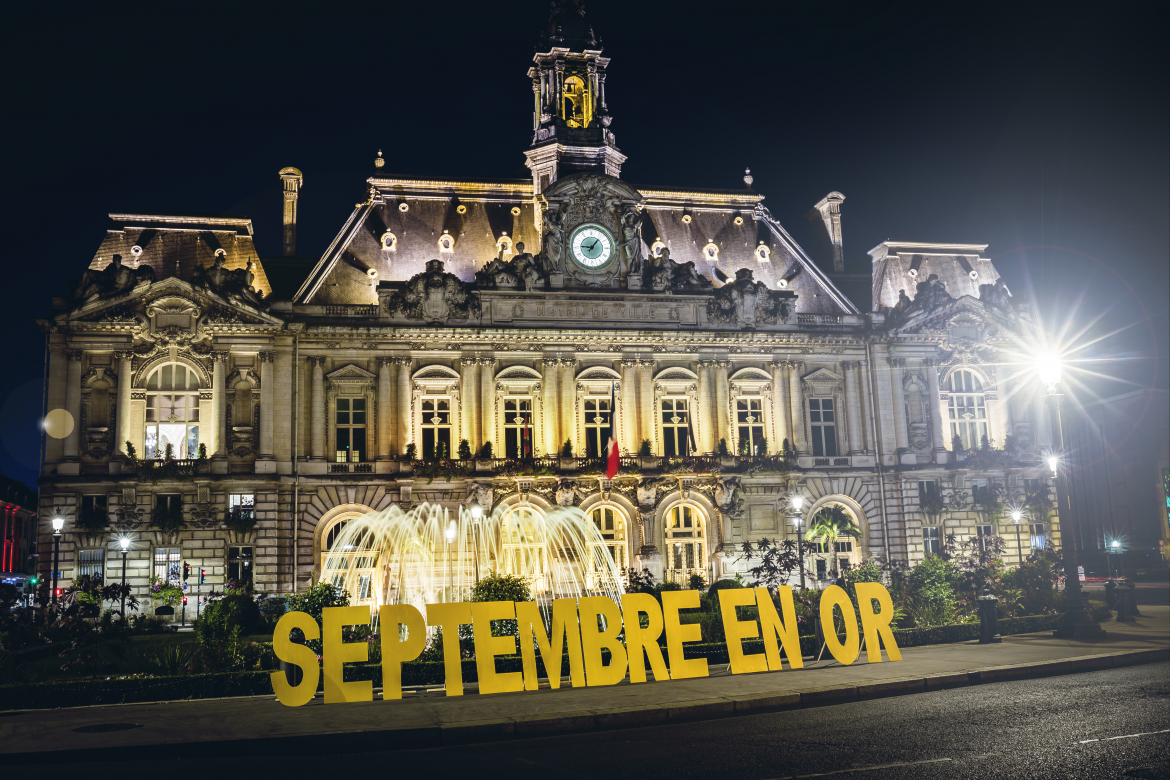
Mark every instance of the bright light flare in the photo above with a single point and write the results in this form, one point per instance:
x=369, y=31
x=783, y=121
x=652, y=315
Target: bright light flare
x=124, y=543
x=58, y=524
x=1053, y=463
x=1048, y=368
x=1017, y=516
x=797, y=502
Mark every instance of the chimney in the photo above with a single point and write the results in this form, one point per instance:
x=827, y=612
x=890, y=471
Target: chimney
x=830, y=211
x=292, y=179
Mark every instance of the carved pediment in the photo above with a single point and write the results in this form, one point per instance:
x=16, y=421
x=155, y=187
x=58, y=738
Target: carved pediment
x=349, y=374
x=823, y=381
x=518, y=373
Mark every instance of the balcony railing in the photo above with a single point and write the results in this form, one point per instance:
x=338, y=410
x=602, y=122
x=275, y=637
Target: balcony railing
x=351, y=468
x=818, y=319
x=172, y=469
x=350, y=310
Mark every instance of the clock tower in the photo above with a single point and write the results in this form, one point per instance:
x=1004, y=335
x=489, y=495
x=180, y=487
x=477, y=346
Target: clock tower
x=570, y=120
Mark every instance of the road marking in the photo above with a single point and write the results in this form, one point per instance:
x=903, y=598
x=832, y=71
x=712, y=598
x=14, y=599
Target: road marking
x=1127, y=736
x=865, y=769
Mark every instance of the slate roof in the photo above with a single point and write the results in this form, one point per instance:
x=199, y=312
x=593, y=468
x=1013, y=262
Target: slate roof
x=175, y=245
x=894, y=262
x=432, y=207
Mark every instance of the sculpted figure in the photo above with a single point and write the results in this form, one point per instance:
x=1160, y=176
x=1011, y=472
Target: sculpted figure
x=632, y=239
x=996, y=296
x=497, y=273
x=661, y=270
x=566, y=492
x=552, y=239
x=113, y=279
x=647, y=493
x=687, y=277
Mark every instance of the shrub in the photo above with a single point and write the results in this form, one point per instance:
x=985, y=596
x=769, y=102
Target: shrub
x=721, y=449
x=315, y=598
x=219, y=618
x=567, y=449
x=502, y=587
x=410, y=453
x=167, y=519
x=485, y=451
x=464, y=450
x=644, y=448
x=930, y=592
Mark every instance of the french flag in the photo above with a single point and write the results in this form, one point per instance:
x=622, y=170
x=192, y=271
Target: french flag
x=612, y=450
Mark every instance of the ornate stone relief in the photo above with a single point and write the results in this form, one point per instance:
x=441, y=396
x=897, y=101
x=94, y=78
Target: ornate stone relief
x=434, y=296
x=746, y=303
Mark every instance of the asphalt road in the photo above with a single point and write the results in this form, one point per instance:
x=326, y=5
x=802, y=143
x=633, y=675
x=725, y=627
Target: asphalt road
x=1110, y=724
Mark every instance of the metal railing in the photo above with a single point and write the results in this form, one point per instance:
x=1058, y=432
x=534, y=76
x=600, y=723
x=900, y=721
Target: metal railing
x=818, y=319
x=350, y=310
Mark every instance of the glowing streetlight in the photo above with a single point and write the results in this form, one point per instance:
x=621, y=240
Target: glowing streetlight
x=124, y=543
x=475, y=508
x=452, y=529
x=1076, y=622
x=1017, y=516
x=58, y=526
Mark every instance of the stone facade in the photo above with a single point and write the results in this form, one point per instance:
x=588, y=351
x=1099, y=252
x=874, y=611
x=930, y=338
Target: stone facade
x=473, y=310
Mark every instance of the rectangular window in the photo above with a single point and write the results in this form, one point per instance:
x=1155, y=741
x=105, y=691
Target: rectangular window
x=930, y=541
x=91, y=563
x=364, y=581
x=167, y=564
x=239, y=565
x=597, y=416
x=169, y=501
x=94, y=508
x=676, y=427
x=982, y=532
x=245, y=501
x=1038, y=534
x=436, y=428
x=351, y=430
x=926, y=487
x=980, y=492
x=749, y=418
x=1031, y=486
x=517, y=428
x=823, y=423
x=845, y=546
x=822, y=569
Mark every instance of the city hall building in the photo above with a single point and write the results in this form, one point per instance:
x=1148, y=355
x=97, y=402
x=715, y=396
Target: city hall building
x=231, y=412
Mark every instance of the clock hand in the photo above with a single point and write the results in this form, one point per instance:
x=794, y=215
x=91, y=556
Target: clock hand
x=593, y=245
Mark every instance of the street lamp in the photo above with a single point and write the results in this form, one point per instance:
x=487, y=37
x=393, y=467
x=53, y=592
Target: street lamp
x=1017, y=515
x=452, y=529
x=1076, y=622
x=58, y=525
x=797, y=503
x=476, y=517
x=124, y=543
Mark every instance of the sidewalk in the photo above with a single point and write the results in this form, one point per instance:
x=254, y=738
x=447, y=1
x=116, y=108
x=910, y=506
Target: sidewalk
x=260, y=725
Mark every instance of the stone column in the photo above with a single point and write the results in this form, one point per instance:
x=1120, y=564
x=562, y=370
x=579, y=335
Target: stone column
x=283, y=408
x=385, y=408
x=317, y=407
x=722, y=401
x=779, y=408
x=630, y=440
x=405, y=399
x=937, y=434
x=468, y=408
x=125, y=385
x=487, y=402
x=898, y=393
x=267, y=398
x=73, y=404
x=705, y=414
x=569, y=405
x=853, y=420
x=646, y=412
x=218, y=448
x=796, y=407
x=548, y=390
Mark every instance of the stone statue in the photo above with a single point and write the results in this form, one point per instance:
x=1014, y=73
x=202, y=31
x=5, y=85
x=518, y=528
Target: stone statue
x=112, y=280
x=229, y=283
x=687, y=277
x=744, y=301
x=660, y=269
x=551, y=238
x=632, y=239
x=497, y=273
x=648, y=493
x=997, y=296
x=566, y=492
x=728, y=496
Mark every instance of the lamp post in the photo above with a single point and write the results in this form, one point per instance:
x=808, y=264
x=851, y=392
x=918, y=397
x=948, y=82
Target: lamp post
x=450, y=534
x=1017, y=515
x=124, y=543
x=476, y=518
x=1114, y=547
x=797, y=503
x=1076, y=622
x=58, y=525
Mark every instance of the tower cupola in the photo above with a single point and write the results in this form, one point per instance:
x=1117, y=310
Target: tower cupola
x=570, y=118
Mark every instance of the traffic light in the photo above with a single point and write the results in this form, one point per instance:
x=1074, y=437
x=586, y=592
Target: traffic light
x=184, y=601
x=58, y=592
x=202, y=576
x=34, y=580
x=186, y=571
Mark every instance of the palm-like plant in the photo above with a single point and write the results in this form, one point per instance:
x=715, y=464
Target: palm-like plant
x=829, y=524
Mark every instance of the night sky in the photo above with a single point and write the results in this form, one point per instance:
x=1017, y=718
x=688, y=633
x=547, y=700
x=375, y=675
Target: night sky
x=1038, y=128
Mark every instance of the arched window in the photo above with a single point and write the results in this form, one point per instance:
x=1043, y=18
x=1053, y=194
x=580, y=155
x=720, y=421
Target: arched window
x=968, y=413
x=612, y=526
x=172, y=412
x=685, y=545
x=350, y=562
x=523, y=547
x=575, y=110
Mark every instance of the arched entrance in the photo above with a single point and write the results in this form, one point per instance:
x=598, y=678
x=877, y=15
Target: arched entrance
x=835, y=556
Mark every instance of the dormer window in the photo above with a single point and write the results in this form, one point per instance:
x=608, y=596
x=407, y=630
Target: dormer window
x=764, y=253
x=389, y=242
x=446, y=243
x=711, y=252
x=504, y=245
x=657, y=247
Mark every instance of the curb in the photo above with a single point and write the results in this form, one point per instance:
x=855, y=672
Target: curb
x=583, y=721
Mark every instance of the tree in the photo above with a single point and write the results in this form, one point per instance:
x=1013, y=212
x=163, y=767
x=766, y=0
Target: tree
x=778, y=560
x=828, y=525
x=464, y=450
x=502, y=587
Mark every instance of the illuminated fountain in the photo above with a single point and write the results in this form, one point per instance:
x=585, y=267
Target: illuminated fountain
x=427, y=556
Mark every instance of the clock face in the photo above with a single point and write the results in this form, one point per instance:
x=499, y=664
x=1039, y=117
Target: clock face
x=592, y=246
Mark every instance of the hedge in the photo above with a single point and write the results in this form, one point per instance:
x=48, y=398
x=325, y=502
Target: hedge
x=416, y=673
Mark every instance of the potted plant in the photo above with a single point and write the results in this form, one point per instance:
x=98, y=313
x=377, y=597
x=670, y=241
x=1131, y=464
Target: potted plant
x=485, y=461
x=169, y=520
x=726, y=459
x=567, y=461
x=646, y=457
